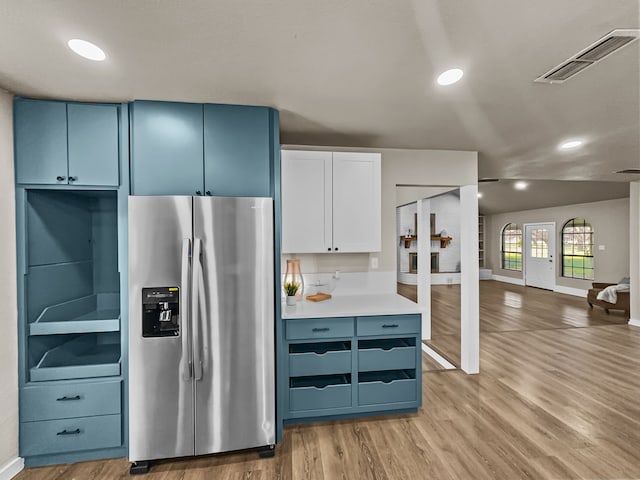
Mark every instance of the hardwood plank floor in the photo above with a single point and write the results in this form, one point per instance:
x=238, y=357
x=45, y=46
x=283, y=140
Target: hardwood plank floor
x=557, y=398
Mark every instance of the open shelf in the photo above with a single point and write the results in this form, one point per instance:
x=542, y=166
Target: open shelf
x=82, y=357
x=93, y=313
x=408, y=240
x=444, y=241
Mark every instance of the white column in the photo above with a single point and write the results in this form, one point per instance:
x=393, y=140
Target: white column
x=634, y=252
x=424, y=265
x=470, y=280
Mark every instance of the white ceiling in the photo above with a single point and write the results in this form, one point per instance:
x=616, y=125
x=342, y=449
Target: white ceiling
x=357, y=72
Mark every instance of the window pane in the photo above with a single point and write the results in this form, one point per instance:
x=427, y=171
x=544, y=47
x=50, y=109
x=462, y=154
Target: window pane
x=577, y=249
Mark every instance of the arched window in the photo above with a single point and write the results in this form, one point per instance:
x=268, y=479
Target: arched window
x=577, y=249
x=511, y=247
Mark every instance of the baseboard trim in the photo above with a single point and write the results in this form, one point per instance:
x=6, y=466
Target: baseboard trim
x=443, y=362
x=634, y=322
x=576, y=292
x=12, y=468
x=515, y=281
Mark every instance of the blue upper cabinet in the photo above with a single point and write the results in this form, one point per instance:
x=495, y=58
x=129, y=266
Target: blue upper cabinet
x=59, y=143
x=93, y=144
x=40, y=141
x=237, y=151
x=194, y=149
x=167, y=148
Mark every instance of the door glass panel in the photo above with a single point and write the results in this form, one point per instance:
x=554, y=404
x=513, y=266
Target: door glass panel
x=540, y=243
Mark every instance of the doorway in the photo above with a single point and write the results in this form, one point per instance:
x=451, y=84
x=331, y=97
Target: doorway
x=540, y=249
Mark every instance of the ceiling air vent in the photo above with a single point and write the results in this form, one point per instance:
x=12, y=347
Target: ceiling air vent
x=629, y=170
x=586, y=57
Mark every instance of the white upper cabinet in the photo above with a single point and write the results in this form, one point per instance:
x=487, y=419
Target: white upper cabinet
x=331, y=202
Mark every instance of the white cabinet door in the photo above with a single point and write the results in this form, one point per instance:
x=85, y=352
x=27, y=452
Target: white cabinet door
x=306, y=202
x=356, y=202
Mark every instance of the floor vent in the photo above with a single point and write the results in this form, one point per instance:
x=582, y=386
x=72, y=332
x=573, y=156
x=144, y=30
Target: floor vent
x=595, y=52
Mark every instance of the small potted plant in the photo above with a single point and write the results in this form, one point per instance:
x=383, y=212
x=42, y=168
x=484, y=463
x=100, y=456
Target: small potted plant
x=291, y=288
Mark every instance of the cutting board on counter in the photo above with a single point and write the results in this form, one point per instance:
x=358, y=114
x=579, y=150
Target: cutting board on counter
x=318, y=297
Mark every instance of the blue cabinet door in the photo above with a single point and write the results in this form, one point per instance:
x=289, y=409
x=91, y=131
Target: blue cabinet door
x=166, y=148
x=93, y=144
x=237, y=152
x=40, y=141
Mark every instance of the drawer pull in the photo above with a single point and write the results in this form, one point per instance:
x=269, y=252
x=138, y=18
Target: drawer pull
x=390, y=325
x=67, y=432
x=67, y=399
x=323, y=329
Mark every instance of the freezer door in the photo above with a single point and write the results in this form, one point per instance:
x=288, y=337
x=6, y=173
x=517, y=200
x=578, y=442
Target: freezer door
x=234, y=324
x=161, y=411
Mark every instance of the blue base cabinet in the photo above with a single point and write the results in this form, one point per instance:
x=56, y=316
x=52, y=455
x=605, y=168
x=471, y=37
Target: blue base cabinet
x=347, y=367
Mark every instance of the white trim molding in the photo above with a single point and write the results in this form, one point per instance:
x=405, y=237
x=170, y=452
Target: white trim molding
x=577, y=292
x=440, y=360
x=634, y=322
x=515, y=281
x=12, y=468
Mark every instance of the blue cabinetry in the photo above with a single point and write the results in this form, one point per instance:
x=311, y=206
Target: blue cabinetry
x=69, y=324
x=60, y=143
x=194, y=149
x=341, y=367
x=166, y=148
x=93, y=144
x=237, y=150
x=40, y=130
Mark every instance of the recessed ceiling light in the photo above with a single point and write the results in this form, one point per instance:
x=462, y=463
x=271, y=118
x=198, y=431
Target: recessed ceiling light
x=479, y=194
x=570, y=144
x=86, y=49
x=520, y=185
x=450, y=76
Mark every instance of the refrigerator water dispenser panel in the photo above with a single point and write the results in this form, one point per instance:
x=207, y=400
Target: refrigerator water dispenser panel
x=160, y=312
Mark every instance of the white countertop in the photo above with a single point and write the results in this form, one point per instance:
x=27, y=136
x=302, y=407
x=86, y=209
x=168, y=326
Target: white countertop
x=352, y=306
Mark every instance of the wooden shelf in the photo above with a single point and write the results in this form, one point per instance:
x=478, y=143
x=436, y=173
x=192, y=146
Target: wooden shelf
x=444, y=241
x=408, y=240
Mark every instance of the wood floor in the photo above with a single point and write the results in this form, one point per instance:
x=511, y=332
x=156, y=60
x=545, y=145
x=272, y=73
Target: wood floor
x=521, y=308
x=557, y=398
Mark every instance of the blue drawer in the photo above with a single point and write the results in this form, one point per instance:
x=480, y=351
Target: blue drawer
x=396, y=391
x=388, y=325
x=300, y=329
x=310, y=363
x=397, y=358
x=50, y=402
x=314, y=398
x=76, y=434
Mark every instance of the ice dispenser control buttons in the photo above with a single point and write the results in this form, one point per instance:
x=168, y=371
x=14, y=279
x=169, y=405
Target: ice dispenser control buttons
x=160, y=312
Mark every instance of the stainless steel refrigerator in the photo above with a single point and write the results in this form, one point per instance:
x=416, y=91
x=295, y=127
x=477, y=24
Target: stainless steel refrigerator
x=201, y=326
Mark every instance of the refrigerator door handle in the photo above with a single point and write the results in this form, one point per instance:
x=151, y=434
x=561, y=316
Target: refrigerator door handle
x=195, y=313
x=184, y=307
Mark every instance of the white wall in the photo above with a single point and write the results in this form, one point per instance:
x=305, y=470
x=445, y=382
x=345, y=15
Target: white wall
x=399, y=167
x=610, y=221
x=8, y=295
x=406, y=221
x=447, y=210
x=634, y=252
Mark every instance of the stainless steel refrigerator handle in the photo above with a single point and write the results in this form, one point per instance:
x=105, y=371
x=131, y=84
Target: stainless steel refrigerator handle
x=184, y=306
x=195, y=321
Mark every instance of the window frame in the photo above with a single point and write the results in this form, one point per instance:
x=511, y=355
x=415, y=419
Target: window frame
x=509, y=264
x=571, y=223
